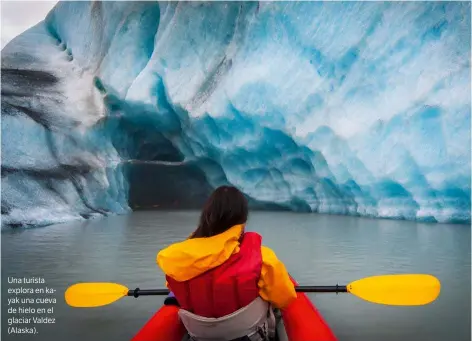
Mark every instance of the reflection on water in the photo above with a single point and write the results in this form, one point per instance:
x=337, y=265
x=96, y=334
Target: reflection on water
x=317, y=250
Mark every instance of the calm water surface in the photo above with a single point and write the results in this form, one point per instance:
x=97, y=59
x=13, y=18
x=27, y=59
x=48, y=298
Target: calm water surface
x=317, y=250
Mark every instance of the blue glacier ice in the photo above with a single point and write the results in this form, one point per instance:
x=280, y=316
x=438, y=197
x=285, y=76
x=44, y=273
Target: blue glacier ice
x=359, y=108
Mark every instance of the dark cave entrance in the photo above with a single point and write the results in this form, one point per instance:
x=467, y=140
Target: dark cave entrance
x=166, y=186
x=158, y=176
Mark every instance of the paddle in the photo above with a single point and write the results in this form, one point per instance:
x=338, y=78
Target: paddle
x=400, y=290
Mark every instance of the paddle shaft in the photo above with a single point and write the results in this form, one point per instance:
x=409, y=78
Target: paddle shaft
x=301, y=288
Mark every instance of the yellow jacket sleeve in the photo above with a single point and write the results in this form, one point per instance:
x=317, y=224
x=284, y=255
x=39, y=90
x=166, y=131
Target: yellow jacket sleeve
x=275, y=285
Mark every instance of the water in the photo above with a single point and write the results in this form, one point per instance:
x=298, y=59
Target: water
x=317, y=250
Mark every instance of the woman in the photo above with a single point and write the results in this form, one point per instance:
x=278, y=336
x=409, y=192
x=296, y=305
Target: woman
x=224, y=280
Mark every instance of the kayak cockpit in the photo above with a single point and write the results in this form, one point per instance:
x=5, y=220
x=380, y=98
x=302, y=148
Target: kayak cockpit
x=300, y=321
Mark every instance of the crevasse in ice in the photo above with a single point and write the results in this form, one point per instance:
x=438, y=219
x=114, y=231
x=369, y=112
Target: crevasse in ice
x=359, y=108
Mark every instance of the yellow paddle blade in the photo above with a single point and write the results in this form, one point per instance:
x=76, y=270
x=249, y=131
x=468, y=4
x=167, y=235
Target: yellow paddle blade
x=94, y=294
x=409, y=289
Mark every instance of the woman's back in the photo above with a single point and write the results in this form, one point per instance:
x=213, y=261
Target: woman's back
x=221, y=268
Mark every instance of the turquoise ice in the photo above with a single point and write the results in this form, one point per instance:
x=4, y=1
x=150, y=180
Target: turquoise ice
x=359, y=108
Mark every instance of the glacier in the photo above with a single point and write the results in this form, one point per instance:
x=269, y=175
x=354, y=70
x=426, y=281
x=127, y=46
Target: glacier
x=358, y=108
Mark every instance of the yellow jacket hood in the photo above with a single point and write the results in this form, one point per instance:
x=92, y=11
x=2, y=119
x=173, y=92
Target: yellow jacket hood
x=192, y=257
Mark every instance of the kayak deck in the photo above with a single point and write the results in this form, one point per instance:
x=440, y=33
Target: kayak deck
x=301, y=322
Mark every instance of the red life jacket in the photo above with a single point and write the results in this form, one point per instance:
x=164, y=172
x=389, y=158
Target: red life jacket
x=226, y=288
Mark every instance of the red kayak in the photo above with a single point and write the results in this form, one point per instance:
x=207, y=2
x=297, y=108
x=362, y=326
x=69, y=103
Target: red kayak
x=301, y=321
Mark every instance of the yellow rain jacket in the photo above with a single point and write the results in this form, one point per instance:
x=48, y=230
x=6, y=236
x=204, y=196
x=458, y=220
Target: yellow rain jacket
x=187, y=259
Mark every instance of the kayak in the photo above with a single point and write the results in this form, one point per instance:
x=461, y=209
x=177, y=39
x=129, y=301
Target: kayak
x=300, y=321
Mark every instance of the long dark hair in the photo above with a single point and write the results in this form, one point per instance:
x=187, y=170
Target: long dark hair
x=226, y=207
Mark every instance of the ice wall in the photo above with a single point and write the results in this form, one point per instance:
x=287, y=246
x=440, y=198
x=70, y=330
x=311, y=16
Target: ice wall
x=358, y=108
